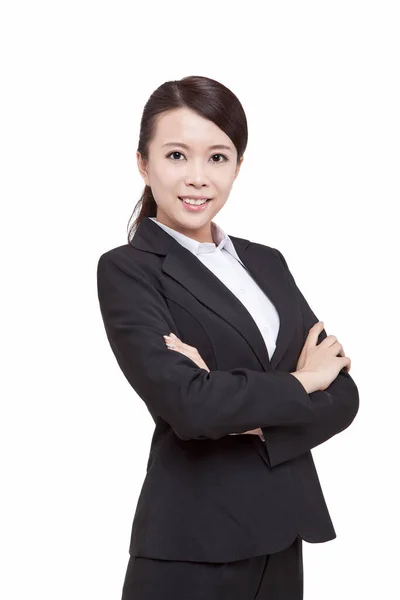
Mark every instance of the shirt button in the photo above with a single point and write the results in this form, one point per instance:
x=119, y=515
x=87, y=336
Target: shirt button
x=242, y=291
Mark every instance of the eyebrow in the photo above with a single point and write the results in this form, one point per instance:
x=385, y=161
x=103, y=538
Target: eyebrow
x=214, y=147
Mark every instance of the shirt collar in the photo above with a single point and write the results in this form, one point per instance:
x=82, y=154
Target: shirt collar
x=221, y=239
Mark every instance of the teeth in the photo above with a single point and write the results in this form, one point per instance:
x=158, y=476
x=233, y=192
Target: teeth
x=191, y=201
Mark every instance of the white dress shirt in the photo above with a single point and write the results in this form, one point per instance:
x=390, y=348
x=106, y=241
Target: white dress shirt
x=221, y=258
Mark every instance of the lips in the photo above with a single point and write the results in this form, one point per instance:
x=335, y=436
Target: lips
x=187, y=197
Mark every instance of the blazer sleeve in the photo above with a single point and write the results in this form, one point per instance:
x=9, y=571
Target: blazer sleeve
x=333, y=409
x=197, y=404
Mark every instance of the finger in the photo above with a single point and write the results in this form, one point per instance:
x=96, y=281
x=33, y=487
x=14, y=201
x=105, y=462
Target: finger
x=180, y=347
x=342, y=353
x=186, y=347
x=313, y=334
x=348, y=367
x=172, y=341
x=172, y=337
x=177, y=343
x=176, y=350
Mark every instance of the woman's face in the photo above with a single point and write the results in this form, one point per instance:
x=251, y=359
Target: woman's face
x=182, y=162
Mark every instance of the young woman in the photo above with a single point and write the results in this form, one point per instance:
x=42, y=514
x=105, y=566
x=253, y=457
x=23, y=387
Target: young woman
x=238, y=374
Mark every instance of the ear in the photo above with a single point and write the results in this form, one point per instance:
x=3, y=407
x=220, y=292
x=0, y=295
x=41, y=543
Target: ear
x=238, y=166
x=142, y=166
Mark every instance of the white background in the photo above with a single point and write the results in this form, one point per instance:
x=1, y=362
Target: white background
x=319, y=82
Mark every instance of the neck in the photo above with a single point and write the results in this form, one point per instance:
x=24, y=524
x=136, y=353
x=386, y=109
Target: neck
x=204, y=234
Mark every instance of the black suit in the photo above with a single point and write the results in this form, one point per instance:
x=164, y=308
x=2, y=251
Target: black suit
x=207, y=495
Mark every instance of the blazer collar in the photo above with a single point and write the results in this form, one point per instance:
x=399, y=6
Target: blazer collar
x=183, y=266
x=220, y=238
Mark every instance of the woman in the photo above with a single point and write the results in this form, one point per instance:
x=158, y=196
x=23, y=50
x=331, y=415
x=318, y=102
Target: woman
x=238, y=374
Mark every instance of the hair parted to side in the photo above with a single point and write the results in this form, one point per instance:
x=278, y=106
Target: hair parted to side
x=211, y=100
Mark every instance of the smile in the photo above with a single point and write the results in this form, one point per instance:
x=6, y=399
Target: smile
x=192, y=201
x=194, y=205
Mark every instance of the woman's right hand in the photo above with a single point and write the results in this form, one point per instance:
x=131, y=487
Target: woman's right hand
x=318, y=365
x=174, y=343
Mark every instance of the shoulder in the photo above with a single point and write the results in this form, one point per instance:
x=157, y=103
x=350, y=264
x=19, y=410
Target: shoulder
x=124, y=250
x=121, y=259
x=125, y=265
x=125, y=254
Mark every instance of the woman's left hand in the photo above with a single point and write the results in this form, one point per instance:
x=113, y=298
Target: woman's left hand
x=174, y=343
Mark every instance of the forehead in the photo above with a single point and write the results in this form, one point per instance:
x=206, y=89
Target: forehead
x=186, y=126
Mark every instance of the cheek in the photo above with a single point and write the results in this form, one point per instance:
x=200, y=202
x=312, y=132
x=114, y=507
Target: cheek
x=223, y=189
x=224, y=179
x=166, y=176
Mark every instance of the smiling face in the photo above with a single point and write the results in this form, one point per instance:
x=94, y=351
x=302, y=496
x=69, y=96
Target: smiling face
x=189, y=156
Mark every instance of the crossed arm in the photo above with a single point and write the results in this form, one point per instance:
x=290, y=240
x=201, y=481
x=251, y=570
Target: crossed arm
x=198, y=403
x=174, y=343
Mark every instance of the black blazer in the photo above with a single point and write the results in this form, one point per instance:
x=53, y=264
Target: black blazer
x=207, y=495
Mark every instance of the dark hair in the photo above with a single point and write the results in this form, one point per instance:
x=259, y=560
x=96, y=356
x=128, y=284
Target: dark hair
x=207, y=97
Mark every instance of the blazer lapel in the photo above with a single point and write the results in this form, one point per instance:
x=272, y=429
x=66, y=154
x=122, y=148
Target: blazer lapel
x=190, y=273
x=269, y=275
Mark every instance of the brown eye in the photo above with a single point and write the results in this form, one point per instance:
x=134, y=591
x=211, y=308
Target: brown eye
x=175, y=152
x=223, y=156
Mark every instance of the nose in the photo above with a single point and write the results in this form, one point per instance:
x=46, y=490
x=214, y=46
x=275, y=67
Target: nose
x=196, y=174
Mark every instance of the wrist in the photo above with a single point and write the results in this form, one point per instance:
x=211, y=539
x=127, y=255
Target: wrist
x=307, y=380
